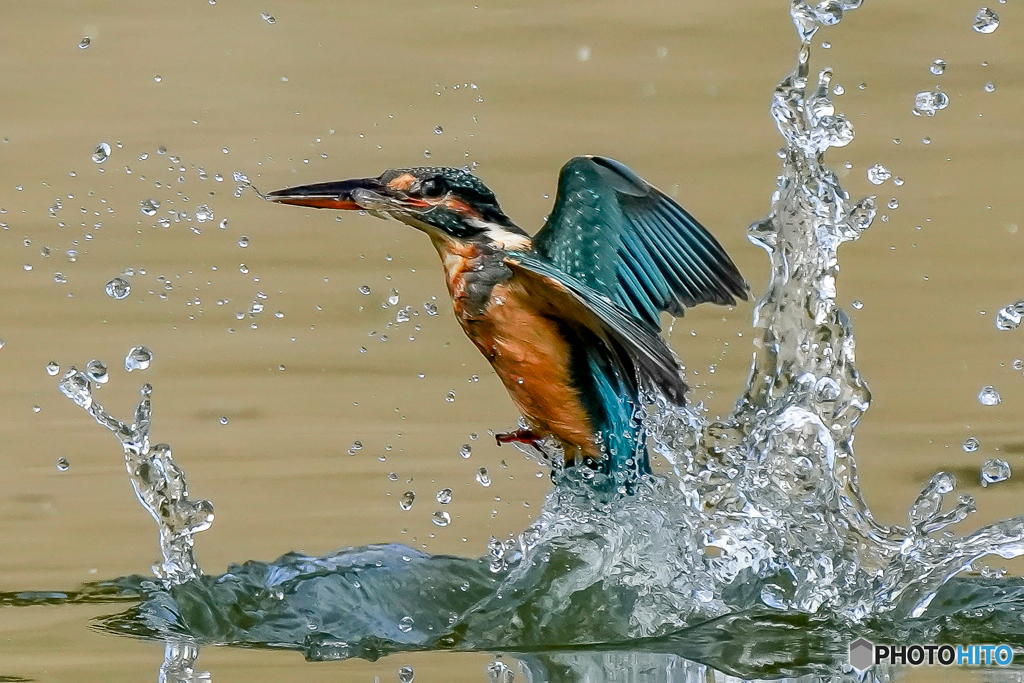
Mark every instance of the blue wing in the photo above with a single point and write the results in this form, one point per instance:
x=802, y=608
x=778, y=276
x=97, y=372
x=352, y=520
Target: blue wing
x=634, y=348
x=623, y=238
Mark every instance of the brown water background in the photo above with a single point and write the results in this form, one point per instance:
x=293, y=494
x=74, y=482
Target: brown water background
x=679, y=91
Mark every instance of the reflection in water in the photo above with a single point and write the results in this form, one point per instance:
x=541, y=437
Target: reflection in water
x=757, y=556
x=179, y=663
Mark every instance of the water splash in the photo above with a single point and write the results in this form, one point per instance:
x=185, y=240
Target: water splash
x=243, y=184
x=159, y=483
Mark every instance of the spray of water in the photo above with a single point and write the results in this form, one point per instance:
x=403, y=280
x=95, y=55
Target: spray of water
x=159, y=483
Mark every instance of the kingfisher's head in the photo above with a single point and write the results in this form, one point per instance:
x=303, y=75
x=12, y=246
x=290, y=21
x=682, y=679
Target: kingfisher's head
x=446, y=203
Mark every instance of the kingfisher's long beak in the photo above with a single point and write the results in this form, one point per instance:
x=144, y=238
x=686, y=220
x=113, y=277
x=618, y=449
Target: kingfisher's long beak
x=360, y=193
x=340, y=194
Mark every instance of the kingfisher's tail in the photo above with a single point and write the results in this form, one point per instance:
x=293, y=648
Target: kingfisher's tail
x=619, y=429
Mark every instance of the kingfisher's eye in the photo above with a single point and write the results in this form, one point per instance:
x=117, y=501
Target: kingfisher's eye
x=433, y=187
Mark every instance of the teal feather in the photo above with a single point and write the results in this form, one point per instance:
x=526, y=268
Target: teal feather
x=617, y=421
x=625, y=239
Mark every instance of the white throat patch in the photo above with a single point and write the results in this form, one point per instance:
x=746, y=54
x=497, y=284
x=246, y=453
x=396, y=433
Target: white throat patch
x=504, y=238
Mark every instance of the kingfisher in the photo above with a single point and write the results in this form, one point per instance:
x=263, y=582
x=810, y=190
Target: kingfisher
x=570, y=318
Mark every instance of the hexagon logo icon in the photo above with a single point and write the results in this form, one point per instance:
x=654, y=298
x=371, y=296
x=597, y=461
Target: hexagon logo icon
x=862, y=654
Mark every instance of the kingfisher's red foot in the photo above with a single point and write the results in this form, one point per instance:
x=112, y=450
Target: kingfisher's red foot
x=519, y=436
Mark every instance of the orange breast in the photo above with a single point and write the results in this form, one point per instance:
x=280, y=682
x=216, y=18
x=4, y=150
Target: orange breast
x=526, y=348
x=530, y=355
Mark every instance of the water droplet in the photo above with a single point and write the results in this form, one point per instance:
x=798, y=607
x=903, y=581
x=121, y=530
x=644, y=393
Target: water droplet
x=86, y=42
x=483, y=477
x=893, y=203
x=52, y=368
x=878, y=174
x=63, y=464
x=405, y=624
x=407, y=499
x=430, y=308
x=97, y=371
x=838, y=90
x=928, y=102
x=268, y=18
x=441, y=518
x=393, y=298
x=970, y=444
x=857, y=303
x=355, y=447
x=465, y=450
x=990, y=87
x=1018, y=364
x=938, y=67
x=243, y=241
x=1009, y=317
x=149, y=206
x=158, y=78
x=827, y=389
x=450, y=397
x=27, y=267
x=118, y=288
x=986, y=21
x=101, y=153
x=988, y=396
x=993, y=471
x=438, y=130
x=406, y=674
x=36, y=409
x=223, y=420
x=138, y=358
x=426, y=153
x=583, y=53
x=499, y=672
x=444, y=496
x=204, y=213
